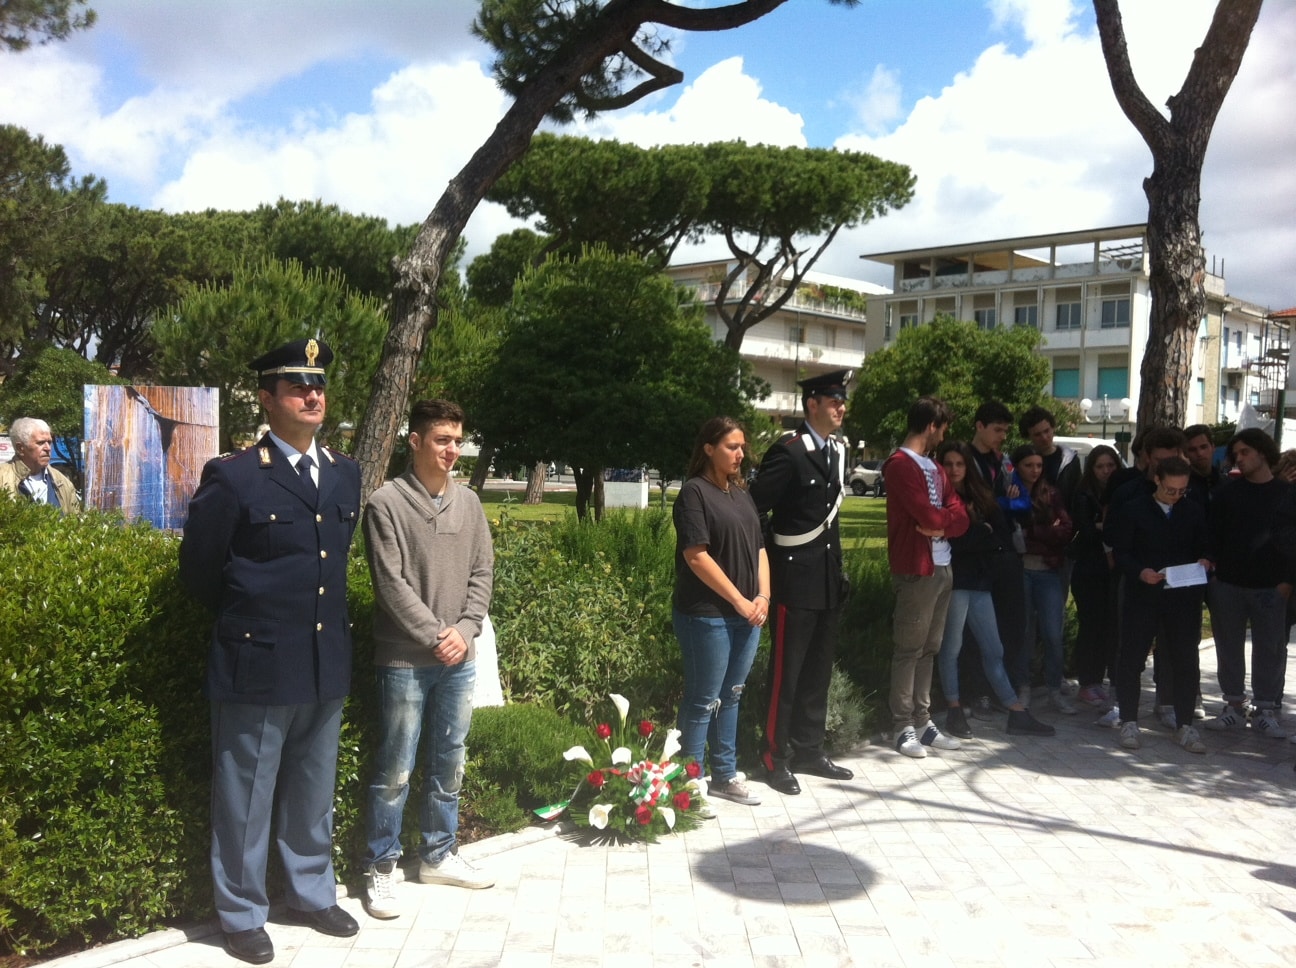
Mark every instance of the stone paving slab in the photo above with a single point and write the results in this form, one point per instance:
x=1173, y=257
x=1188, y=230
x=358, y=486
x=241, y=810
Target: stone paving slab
x=1011, y=851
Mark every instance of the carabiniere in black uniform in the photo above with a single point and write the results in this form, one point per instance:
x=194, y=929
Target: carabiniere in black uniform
x=801, y=487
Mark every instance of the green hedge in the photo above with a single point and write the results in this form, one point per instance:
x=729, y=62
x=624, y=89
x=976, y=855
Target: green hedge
x=105, y=789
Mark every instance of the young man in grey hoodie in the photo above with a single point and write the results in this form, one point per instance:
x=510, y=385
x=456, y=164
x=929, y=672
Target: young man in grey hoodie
x=432, y=565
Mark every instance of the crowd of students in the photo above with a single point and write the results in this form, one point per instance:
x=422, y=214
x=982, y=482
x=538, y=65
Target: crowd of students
x=1140, y=549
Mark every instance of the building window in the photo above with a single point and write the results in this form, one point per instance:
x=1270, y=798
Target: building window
x=908, y=320
x=1113, y=382
x=1026, y=316
x=984, y=318
x=1066, y=383
x=796, y=334
x=1068, y=315
x=1201, y=391
x=1115, y=313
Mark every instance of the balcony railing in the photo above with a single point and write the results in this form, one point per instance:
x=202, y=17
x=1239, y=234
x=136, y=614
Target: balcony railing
x=706, y=292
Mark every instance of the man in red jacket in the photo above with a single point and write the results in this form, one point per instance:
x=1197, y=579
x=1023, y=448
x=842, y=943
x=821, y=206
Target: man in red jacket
x=922, y=513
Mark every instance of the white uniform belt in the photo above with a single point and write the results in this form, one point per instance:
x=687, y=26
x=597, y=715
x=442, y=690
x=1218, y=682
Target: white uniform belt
x=795, y=540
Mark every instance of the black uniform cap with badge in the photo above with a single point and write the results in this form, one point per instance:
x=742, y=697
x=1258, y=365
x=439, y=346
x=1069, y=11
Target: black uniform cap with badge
x=301, y=361
x=831, y=384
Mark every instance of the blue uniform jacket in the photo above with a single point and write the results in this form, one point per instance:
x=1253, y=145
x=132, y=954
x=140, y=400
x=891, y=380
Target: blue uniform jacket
x=272, y=563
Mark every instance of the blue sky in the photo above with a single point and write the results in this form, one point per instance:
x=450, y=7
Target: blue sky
x=1002, y=108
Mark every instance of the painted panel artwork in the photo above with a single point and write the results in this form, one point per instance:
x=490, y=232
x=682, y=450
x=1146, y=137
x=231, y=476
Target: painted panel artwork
x=145, y=448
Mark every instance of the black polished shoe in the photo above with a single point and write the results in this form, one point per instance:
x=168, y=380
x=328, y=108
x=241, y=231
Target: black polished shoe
x=1022, y=723
x=253, y=946
x=821, y=766
x=956, y=723
x=330, y=920
x=782, y=780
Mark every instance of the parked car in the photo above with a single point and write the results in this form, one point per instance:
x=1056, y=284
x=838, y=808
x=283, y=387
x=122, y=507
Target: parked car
x=866, y=477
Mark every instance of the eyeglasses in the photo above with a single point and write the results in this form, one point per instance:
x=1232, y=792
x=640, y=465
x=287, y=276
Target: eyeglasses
x=1174, y=491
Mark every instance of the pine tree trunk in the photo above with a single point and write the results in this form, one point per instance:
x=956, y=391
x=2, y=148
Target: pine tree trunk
x=481, y=469
x=536, y=483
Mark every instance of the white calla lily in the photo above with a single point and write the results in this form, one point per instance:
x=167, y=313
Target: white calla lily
x=698, y=786
x=668, y=815
x=621, y=755
x=598, y=815
x=578, y=753
x=672, y=744
x=622, y=705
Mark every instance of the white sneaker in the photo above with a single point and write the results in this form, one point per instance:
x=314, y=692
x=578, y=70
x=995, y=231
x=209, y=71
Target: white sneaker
x=907, y=743
x=456, y=872
x=934, y=738
x=1199, y=711
x=1190, y=739
x=1062, y=702
x=1069, y=688
x=380, y=894
x=1110, y=718
x=1129, y=735
x=1166, y=717
x=1265, y=722
x=1231, y=718
x=735, y=790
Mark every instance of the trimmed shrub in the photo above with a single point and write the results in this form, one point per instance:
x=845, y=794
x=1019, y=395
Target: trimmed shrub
x=582, y=610
x=104, y=732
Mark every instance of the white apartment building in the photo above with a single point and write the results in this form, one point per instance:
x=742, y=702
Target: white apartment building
x=1088, y=293
x=821, y=328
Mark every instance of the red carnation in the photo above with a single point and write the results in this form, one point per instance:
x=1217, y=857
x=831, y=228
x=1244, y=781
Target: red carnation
x=683, y=801
x=645, y=728
x=643, y=814
x=596, y=779
x=603, y=730
x=693, y=770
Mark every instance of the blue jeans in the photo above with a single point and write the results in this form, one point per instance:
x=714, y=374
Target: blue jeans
x=1046, y=595
x=439, y=697
x=718, y=654
x=974, y=609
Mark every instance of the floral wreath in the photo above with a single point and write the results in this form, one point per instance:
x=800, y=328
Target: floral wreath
x=628, y=793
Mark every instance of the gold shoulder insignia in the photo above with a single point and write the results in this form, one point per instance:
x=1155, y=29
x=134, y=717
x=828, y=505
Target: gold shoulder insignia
x=264, y=454
x=328, y=455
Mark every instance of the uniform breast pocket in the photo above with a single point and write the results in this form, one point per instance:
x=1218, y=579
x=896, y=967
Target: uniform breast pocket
x=248, y=653
x=346, y=517
x=268, y=532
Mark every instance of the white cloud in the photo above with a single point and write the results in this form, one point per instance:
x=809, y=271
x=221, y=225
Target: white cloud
x=393, y=161
x=878, y=105
x=1034, y=142
x=723, y=104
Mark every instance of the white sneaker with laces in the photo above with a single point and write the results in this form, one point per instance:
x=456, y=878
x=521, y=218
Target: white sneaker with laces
x=1129, y=735
x=937, y=740
x=1265, y=722
x=1062, y=702
x=456, y=872
x=1232, y=717
x=380, y=893
x=1166, y=717
x=1190, y=739
x=906, y=742
x=735, y=790
x=1070, y=688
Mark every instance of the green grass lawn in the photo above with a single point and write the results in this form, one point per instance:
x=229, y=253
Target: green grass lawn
x=863, y=519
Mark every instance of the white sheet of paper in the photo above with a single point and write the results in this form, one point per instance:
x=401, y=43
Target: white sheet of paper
x=1184, y=576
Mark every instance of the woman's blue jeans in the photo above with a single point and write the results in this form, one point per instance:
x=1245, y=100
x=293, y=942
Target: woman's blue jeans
x=435, y=702
x=718, y=654
x=974, y=610
x=1046, y=594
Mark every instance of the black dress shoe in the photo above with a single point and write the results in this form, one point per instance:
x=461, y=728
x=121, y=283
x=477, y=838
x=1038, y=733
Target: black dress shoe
x=253, y=946
x=782, y=780
x=330, y=920
x=821, y=766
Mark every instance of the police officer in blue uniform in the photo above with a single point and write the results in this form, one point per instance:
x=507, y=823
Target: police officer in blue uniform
x=800, y=483
x=265, y=546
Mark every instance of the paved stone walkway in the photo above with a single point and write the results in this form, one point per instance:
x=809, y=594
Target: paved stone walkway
x=1032, y=852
